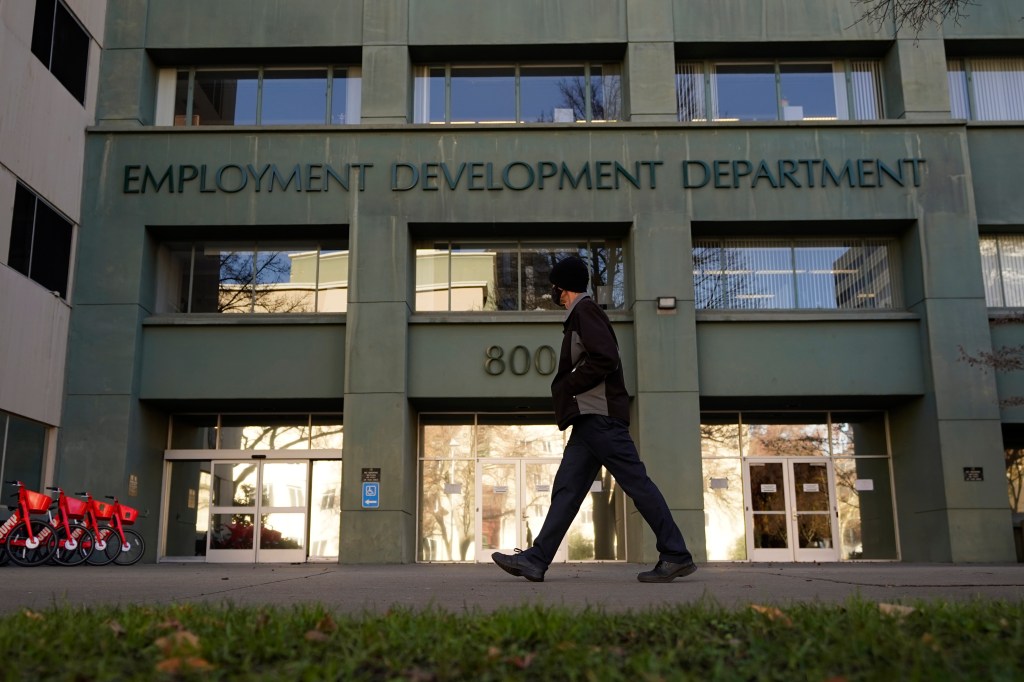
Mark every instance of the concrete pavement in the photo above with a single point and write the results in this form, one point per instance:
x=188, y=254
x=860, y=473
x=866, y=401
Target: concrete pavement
x=485, y=587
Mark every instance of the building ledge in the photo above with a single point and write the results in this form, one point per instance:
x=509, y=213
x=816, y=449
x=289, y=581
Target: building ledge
x=231, y=319
x=803, y=316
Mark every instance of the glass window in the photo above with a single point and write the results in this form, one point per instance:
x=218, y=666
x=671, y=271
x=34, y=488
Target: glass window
x=194, y=432
x=483, y=95
x=509, y=276
x=293, y=97
x=744, y=92
x=785, y=434
x=264, y=432
x=1002, y=264
x=62, y=45
x=225, y=98
x=552, y=94
x=22, y=450
x=724, y=526
x=188, y=503
x=513, y=93
x=864, y=498
x=779, y=90
x=987, y=89
x=765, y=274
x=346, y=96
x=40, y=246
x=267, y=96
x=812, y=92
x=250, y=278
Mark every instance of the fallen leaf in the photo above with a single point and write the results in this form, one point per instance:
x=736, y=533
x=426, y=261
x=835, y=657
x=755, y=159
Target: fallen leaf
x=326, y=624
x=493, y=652
x=33, y=615
x=316, y=636
x=772, y=613
x=171, y=624
x=116, y=628
x=896, y=610
x=523, y=662
x=178, y=643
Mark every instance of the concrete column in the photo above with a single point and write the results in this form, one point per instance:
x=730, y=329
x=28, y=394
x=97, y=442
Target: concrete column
x=915, y=78
x=667, y=424
x=379, y=433
x=650, y=62
x=387, y=70
x=956, y=425
x=128, y=95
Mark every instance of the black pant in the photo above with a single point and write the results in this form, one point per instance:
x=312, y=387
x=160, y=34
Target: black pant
x=595, y=441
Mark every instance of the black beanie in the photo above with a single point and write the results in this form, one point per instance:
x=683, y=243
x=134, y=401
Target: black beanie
x=570, y=274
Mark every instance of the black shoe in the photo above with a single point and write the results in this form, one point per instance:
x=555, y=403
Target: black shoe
x=666, y=572
x=518, y=564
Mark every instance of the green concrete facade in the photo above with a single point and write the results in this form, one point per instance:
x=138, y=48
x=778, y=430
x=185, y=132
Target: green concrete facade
x=381, y=363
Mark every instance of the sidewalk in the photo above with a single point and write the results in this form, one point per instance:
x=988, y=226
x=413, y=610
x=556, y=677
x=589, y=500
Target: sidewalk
x=485, y=587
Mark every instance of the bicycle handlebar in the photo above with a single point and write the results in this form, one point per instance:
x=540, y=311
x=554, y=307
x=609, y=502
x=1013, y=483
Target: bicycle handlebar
x=82, y=493
x=18, y=483
x=50, y=487
x=109, y=497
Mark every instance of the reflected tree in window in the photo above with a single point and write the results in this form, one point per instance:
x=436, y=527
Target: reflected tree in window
x=604, y=100
x=259, y=283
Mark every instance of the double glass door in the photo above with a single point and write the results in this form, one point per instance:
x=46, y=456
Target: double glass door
x=791, y=510
x=258, y=511
x=513, y=498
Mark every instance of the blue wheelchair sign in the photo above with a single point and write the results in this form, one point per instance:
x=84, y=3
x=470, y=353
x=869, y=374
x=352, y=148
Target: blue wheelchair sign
x=371, y=495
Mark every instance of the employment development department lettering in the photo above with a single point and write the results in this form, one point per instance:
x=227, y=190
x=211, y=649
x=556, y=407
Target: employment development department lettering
x=518, y=176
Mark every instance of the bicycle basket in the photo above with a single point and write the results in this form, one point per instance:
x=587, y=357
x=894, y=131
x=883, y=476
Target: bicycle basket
x=104, y=510
x=38, y=503
x=128, y=515
x=76, y=508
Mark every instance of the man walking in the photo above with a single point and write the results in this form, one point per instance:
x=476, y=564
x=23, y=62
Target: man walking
x=589, y=394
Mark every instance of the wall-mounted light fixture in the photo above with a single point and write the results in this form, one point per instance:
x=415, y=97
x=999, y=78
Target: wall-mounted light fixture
x=666, y=303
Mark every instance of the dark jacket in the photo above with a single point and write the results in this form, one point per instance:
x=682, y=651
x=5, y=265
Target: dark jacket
x=589, y=378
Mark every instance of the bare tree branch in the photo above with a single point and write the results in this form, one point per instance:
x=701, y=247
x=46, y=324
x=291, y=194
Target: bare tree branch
x=912, y=14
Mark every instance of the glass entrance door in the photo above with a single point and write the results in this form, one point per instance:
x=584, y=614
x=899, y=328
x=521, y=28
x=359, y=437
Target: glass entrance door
x=258, y=511
x=791, y=514
x=513, y=497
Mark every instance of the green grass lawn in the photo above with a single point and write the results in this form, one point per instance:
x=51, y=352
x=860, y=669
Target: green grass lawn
x=858, y=640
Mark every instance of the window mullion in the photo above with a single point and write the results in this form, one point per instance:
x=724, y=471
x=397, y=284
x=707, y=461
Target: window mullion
x=316, y=281
x=327, y=104
x=778, y=91
x=190, y=97
x=708, y=104
x=515, y=91
x=851, y=102
x=447, y=109
x=999, y=266
x=972, y=102
x=191, y=277
x=32, y=234
x=588, y=108
x=259, y=97
x=792, y=266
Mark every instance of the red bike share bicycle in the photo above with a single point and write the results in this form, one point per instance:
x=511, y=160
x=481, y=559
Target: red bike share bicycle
x=28, y=541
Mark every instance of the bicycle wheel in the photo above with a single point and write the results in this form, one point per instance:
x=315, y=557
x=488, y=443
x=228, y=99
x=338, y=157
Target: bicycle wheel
x=107, y=546
x=84, y=544
x=23, y=555
x=132, y=550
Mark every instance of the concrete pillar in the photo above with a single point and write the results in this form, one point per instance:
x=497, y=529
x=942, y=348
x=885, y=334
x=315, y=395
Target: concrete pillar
x=650, y=62
x=387, y=70
x=379, y=433
x=667, y=424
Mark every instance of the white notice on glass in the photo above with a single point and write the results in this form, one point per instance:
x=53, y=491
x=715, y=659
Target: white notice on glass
x=543, y=488
x=452, y=488
x=768, y=487
x=500, y=489
x=864, y=484
x=719, y=483
x=810, y=487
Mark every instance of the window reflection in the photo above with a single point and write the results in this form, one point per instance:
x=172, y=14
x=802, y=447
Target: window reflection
x=267, y=96
x=779, y=90
x=225, y=97
x=806, y=273
x=245, y=278
x=513, y=93
x=483, y=95
x=491, y=276
x=552, y=94
x=294, y=97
